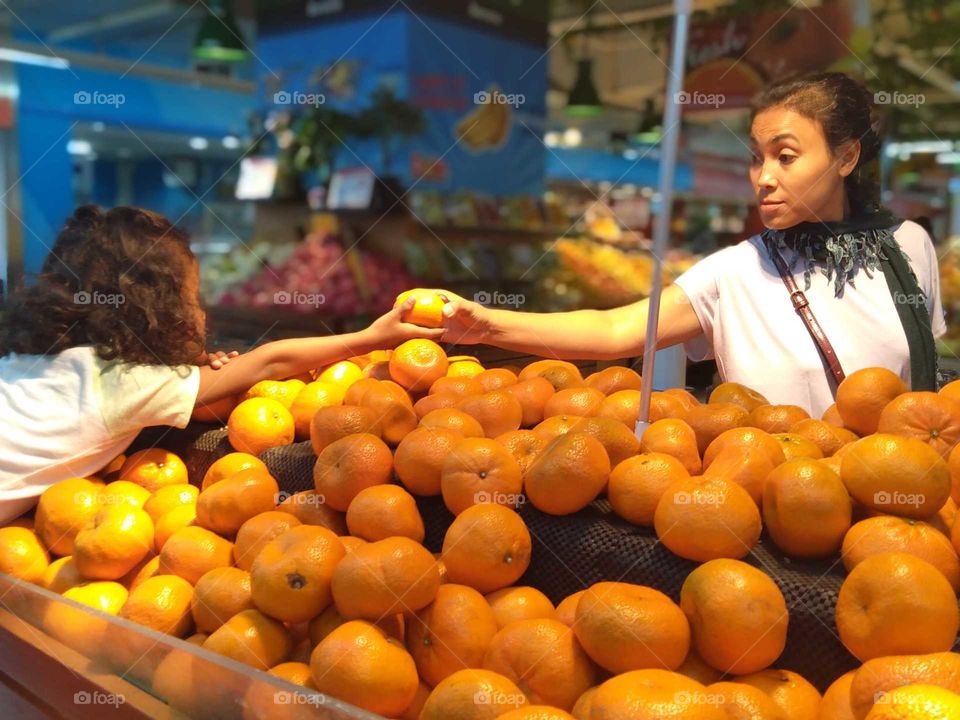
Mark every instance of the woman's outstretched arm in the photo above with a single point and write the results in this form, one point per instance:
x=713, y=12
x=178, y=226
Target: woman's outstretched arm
x=580, y=334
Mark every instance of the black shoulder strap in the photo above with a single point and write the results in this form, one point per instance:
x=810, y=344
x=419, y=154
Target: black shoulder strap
x=911, y=306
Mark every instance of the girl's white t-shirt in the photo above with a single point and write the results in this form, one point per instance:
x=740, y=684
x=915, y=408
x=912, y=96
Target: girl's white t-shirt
x=68, y=415
x=758, y=339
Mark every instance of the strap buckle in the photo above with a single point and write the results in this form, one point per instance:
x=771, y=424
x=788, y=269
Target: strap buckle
x=799, y=300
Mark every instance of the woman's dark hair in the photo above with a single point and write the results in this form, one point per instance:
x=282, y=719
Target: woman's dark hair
x=114, y=280
x=845, y=110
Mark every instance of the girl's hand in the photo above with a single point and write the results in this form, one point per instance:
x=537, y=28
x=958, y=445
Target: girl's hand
x=389, y=330
x=217, y=359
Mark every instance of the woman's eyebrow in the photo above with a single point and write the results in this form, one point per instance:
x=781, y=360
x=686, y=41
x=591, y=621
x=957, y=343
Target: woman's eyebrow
x=775, y=138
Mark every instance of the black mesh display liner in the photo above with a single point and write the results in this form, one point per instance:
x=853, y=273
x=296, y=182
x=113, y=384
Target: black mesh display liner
x=572, y=552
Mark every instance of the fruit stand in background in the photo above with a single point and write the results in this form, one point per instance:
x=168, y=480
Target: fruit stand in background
x=950, y=297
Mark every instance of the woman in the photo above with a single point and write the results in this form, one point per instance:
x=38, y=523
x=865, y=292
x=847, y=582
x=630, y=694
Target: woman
x=812, y=140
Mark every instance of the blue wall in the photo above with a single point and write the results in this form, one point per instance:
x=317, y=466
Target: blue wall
x=49, y=105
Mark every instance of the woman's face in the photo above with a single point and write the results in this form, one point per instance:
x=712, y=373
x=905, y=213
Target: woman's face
x=795, y=175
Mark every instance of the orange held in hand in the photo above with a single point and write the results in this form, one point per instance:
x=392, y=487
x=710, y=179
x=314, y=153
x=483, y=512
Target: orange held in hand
x=427, y=310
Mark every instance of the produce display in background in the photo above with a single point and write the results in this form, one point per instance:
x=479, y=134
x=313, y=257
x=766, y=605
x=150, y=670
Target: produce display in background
x=950, y=295
x=220, y=272
x=320, y=276
x=607, y=276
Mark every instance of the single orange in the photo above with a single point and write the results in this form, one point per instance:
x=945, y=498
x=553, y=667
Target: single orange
x=583, y=401
x=161, y=603
x=613, y=379
x=314, y=396
x=486, y=547
x=560, y=373
x=252, y=638
x=220, y=594
x=154, y=468
x=427, y=310
x=393, y=412
x=702, y=518
x=710, y=420
x=793, y=694
x=637, y=484
x=291, y=576
x=385, y=578
x=451, y=633
x=429, y=403
x=453, y=419
x=806, y=508
x=169, y=497
x=863, y=395
x=568, y=475
x=193, y=551
x=520, y=602
x=22, y=555
x=496, y=379
x=797, y=446
x=776, y=418
x=652, y=694
x=256, y=532
x=418, y=460
x=359, y=664
x=459, y=386
x=64, y=508
x=497, y=411
x=417, y=364
x=533, y=395
x=310, y=508
x=524, y=445
x=472, y=694
x=259, y=424
x=731, y=392
x=332, y=423
x=384, y=511
x=627, y=627
x=896, y=604
x=113, y=542
x=350, y=464
x=552, y=428
x=544, y=659
x=617, y=439
x=748, y=467
x=230, y=464
x=479, y=470
x=672, y=436
x=738, y=616
x=927, y=416
x=283, y=391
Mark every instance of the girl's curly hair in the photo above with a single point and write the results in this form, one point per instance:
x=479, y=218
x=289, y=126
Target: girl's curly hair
x=114, y=280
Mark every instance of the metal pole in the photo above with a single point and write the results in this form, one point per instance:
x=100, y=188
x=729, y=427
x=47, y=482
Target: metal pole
x=661, y=229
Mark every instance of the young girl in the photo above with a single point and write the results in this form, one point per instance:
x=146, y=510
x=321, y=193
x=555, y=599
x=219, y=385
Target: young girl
x=110, y=340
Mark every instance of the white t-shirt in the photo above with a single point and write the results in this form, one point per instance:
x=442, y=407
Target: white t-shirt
x=70, y=414
x=758, y=339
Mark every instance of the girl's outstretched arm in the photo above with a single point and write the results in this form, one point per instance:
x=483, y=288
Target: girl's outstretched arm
x=286, y=358
x=576, y=335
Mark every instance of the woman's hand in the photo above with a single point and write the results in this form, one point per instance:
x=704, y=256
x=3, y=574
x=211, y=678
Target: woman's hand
x=389, y=330
x=216, y=359
x=465, y=322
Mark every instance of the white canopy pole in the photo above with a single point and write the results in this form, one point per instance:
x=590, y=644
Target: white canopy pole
x=661, y=230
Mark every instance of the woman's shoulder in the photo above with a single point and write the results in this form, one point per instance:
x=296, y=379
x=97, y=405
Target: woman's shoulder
x=912, y=237
x=748, y=249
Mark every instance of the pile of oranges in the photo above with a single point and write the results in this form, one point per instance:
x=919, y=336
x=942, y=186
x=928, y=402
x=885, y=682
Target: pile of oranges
x=332, y=589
